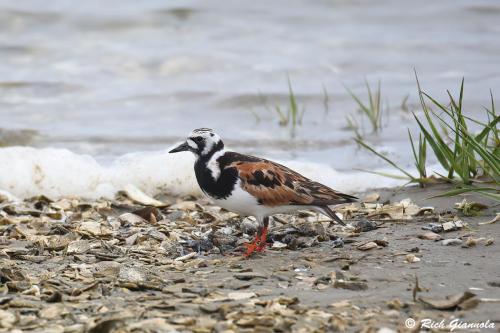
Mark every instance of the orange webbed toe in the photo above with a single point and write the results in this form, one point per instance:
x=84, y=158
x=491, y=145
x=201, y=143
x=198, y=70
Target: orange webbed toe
x=251, y=247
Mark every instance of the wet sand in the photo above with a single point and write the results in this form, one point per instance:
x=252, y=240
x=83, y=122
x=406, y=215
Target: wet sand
x=129, y=274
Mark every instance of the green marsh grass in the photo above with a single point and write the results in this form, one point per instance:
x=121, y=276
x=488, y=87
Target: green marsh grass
x=419, y=155
x=471, y=161
x=326, y=100
x=353, y=125
x=290, y=116
x=405, y=174
x=468, y=155
x=371, y=109
x=404, y=104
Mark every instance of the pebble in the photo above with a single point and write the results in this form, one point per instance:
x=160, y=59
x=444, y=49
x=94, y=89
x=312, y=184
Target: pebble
x=249, y=276
x=339, y=242
x=430, y=236
x=365, y=225
x=434, y=227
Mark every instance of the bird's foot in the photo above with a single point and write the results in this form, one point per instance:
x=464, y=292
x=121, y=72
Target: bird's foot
x=261, y=247
x=251, y=247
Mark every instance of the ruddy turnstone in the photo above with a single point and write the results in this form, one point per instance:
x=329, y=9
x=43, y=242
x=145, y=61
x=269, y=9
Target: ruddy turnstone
x=250, y=185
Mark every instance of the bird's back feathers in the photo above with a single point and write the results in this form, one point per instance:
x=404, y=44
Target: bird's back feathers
x=273, y=184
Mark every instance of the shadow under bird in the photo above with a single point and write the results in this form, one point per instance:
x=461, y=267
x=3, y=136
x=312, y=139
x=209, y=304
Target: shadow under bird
x=253, y=186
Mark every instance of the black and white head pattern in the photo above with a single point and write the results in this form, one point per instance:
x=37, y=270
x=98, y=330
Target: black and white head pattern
x=204, y=141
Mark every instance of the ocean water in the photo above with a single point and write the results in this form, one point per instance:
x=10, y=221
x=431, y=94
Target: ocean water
x=96, y=93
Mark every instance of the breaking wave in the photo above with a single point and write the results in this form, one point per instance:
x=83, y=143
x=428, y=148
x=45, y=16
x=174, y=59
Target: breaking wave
x=26, y=172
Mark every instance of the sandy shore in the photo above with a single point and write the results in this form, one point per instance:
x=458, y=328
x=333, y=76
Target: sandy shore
x=77, y=266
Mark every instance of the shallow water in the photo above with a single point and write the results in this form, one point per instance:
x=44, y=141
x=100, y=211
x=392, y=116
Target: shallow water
x=138, y=76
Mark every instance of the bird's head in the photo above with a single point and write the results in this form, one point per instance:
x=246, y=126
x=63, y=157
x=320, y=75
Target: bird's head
x=201, y=142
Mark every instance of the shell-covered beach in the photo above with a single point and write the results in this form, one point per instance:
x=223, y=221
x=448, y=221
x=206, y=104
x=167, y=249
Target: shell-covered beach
x=119, y=265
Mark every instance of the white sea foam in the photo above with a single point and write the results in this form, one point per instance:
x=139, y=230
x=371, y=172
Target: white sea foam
x=26, y=171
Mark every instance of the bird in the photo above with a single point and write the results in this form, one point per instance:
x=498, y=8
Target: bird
x=254, y=186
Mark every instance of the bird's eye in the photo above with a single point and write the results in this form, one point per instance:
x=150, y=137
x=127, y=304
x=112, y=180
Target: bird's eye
x=198, y=139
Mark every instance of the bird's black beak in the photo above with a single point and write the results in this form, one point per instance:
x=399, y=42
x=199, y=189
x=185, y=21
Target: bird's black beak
x=182, y=147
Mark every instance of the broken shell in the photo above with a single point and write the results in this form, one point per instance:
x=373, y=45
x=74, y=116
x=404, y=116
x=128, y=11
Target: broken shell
x=7, y=197
x=130, y=219
x=395, y=212
x=495, y=219
x=453, y=225
x=278, y=245
x=430, y=236
x=350, y=285
x=367, y=246
x=449, y=303
x=470, y=242
x=136, y=195
x=238, y=296
x=371, y=197
x=412, y=210
x=342, y=304
x=152, y=325
x=381, y=242
x=371, y=206
x=405, y=202
x=33, y=290
x=52, y=311
x=425, y=210
x=489, y=241
x=7, y=319
x=185, y=205
x=150, y=214
x=451, y=241
x=186, y=257
x=94, y=228
x=411, y=258
x=129, y=274
x=78, y=247
x=396, y=304
x=107, y=269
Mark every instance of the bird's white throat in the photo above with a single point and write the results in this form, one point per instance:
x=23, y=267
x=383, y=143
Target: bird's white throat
x=213, y=165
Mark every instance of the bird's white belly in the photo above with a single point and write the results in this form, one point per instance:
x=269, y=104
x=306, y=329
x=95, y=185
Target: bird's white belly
x=240, y=202
x=243, y=203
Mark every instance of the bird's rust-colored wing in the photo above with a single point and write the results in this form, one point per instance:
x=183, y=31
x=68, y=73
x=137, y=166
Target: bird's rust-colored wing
x=274, y=185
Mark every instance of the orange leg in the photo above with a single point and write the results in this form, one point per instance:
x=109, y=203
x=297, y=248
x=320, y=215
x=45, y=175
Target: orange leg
x=259, y=243
x=251, y=247
x=263, y=239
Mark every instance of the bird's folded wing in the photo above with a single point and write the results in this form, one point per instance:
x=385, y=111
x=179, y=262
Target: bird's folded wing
x=273, y=184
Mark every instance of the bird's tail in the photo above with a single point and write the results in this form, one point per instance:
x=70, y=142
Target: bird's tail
x=346, y=198
x=331, y=214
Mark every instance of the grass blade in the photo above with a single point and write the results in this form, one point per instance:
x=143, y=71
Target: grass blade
x=362, y=143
